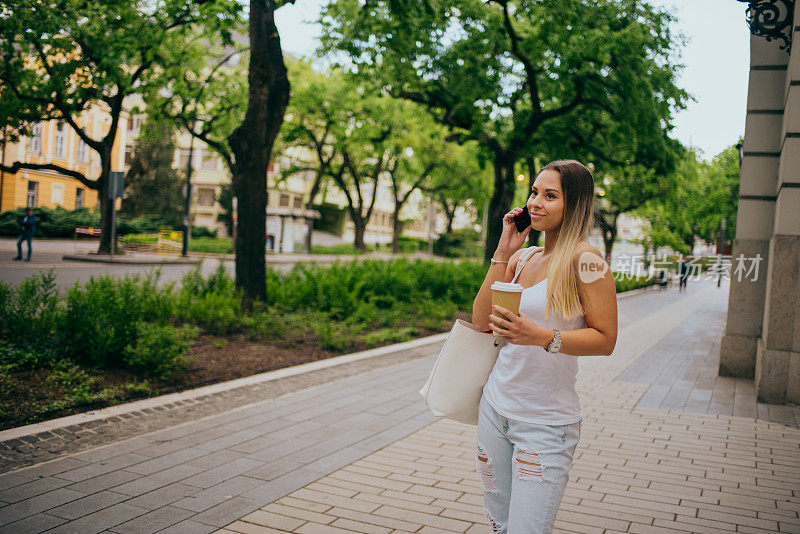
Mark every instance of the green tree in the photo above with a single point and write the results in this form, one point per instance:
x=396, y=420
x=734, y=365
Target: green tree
x=59, y=60
x=720, y=195
x=701, y=195
x=310, y=121
x=152, y=185
x=350, y=128
x=238, y=113
x=499, y=71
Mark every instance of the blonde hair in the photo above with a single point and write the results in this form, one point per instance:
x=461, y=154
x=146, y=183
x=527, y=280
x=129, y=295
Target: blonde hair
x=577, y=184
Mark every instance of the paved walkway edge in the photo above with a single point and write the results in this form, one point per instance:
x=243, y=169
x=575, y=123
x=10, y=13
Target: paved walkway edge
x=130, y=259
x=161, y=400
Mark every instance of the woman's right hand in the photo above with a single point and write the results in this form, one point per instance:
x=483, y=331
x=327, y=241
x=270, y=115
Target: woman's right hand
x=511, y=240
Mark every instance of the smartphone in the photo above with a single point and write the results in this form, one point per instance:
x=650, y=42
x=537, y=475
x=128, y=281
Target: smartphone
x=523, y=220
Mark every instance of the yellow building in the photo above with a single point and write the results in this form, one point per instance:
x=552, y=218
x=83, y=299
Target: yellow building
x=56, y=142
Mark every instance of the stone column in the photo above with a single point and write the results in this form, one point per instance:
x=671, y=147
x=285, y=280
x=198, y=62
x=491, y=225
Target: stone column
x=777, y=377
x=756, y=213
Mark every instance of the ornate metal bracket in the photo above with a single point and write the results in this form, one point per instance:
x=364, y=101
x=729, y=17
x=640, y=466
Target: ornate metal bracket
x=771, y=19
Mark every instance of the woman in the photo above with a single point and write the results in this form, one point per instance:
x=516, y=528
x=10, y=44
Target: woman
x=530, y=416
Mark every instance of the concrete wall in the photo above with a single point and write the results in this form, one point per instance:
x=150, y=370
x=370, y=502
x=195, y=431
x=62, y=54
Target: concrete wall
x=762, y=337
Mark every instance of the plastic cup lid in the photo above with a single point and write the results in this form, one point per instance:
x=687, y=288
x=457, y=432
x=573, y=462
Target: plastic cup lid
x=505, y=286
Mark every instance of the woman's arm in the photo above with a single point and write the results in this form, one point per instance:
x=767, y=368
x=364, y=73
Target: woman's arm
x=599, y=298
x=508, y=249
x=482, y=305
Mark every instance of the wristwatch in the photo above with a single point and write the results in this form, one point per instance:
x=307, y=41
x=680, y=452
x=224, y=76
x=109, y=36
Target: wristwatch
x=555, y=345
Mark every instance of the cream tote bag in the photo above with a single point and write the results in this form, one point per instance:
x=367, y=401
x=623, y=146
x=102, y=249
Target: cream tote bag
x=455, y=385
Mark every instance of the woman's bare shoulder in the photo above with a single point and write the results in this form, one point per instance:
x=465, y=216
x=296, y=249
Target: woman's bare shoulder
x=585, y=246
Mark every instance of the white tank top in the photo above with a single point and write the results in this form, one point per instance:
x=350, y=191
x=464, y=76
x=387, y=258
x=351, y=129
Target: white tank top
x=530, y=384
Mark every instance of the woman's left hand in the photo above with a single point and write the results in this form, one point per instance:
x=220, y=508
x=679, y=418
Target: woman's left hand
x=520, y=330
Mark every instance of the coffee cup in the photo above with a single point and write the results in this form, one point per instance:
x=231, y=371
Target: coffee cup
x=506, y=295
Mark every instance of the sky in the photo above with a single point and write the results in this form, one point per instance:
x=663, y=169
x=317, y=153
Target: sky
x=716, y=58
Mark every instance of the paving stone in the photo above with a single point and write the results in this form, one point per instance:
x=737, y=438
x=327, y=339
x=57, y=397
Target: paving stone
x=100, y=468
x=219, y=474
x=188, y=526
x=87, y=505
x=103, y=482
x=283, y=485
x=145, y=484
x=227, y=512
x=32, y=525
x=31, y=489
x=163, y=496
x=37, y=504
x=154, y=521
x=10, y=480
x=101, y=520
x=218, y=493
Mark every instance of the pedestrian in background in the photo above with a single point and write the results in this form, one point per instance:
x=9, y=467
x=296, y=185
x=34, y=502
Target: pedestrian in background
x=27, y=225
x=684, y=273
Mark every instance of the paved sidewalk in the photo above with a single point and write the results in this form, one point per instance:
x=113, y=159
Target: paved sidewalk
x=363, y=454
x=690, y=468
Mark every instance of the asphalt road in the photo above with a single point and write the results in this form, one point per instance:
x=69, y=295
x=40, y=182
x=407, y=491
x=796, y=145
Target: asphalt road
x=47, y=254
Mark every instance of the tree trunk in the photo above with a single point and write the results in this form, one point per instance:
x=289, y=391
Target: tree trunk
x=106, y=204
x=360, y=228
x=608, y=229
x=450, y=214
x=310, y=206
x=500, y=202
x=252, y=143
x=396, y=228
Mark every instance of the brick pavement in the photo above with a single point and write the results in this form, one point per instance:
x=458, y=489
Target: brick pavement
x=362, y=454
x=688, y=466
x=48, y=445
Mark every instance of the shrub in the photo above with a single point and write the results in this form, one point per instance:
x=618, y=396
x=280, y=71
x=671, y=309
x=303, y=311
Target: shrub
x=212, y=302
x=332, y=335
x=627, y=283
x=100, y=317
x=459, y=243
x=202, y=231
x=159, y=350
x=28, y=315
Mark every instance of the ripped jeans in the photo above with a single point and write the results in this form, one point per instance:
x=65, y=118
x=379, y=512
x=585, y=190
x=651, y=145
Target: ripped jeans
x=524, y=470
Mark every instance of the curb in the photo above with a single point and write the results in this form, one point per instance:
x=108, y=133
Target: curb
x=128, y=261
x=161, y=400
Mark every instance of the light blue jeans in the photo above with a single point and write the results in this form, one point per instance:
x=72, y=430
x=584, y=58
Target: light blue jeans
x=524, y=470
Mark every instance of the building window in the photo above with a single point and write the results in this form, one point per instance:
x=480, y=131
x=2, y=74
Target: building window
x=183, y=158
x=205, y=196
x=33, y=195
x=210, y=162
x=79, y=200
x=135, y=122
x=83, y=153
x=284, y=200
x=58, y=151
x=57, y=194
x=128, y=155
x=35, y=140
x=298, y=202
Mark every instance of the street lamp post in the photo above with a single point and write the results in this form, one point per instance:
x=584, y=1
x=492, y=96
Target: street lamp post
x=722, y=225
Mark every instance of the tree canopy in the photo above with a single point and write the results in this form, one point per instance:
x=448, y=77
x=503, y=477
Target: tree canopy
x=500, y=71
x=57, y=61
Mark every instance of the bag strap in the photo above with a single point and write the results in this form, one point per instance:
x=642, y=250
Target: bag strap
x=523, y=259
